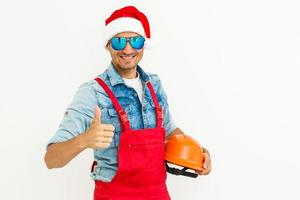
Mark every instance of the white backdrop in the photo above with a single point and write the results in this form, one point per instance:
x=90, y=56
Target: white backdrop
x=230, y=69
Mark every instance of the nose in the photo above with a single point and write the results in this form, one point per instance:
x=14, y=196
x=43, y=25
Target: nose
x=128, y=49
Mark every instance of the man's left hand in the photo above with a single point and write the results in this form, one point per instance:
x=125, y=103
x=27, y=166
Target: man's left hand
x=206, y=163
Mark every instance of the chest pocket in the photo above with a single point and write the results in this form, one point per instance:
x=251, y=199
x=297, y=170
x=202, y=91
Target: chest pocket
x=149, y=111
x=110, y=116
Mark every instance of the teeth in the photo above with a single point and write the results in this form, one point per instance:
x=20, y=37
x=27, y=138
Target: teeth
x=127, y=57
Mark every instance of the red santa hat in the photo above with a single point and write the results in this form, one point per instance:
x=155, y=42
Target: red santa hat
x=126, y=19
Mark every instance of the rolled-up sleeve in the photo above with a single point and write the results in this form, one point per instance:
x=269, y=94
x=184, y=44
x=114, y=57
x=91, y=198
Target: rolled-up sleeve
x=78, y=115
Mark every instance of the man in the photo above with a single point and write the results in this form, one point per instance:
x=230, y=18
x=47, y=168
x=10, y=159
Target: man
x=123, y=115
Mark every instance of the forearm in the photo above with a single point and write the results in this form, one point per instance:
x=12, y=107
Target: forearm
x=60, y=154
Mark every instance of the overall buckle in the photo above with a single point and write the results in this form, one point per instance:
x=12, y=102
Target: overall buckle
x=159, y=112
x=123, y=116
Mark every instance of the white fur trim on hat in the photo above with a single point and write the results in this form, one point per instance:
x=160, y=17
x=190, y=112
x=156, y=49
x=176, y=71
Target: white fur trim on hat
x=124, y=24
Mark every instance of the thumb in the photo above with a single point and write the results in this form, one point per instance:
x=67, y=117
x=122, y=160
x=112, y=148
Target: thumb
x=97, y=117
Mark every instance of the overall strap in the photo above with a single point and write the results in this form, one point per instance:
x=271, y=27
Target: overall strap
x=121, y=112
x=158, y=110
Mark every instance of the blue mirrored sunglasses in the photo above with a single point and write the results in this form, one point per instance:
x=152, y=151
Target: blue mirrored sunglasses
x=119, y=43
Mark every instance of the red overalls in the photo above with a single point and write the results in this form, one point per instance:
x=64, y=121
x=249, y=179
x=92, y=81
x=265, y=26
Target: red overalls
x=141, y=172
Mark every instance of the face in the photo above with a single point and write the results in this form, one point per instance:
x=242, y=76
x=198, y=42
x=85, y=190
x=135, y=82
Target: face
x=128, y=58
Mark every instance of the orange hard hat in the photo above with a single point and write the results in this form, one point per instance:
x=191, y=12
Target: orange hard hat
x=184, y=151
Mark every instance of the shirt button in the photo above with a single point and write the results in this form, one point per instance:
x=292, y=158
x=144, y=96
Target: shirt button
x=135, y=94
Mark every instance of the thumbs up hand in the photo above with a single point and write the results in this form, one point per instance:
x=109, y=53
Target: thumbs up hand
x=99, y=135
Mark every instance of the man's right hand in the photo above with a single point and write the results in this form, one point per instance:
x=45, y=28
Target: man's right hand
x=98, y=135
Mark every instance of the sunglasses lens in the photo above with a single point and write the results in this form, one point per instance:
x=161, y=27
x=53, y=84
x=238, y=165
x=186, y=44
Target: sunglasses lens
x=118, y=43
x=137, y=42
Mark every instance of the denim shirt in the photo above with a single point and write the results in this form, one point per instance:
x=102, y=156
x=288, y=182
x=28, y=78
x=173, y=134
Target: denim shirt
x=80, y=112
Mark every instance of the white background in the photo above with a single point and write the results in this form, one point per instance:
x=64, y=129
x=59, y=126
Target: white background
x=230, y=69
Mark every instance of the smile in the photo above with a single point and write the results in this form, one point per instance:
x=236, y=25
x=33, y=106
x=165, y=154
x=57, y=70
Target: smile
x=127, y=57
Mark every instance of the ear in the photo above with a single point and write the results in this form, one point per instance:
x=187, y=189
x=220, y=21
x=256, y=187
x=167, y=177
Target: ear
x=107, y=47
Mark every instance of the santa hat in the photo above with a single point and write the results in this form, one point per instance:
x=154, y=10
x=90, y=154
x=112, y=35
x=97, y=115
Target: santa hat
x=126, y=19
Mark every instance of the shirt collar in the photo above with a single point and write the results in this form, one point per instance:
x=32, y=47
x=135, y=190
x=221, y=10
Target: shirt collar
x=115, y=78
